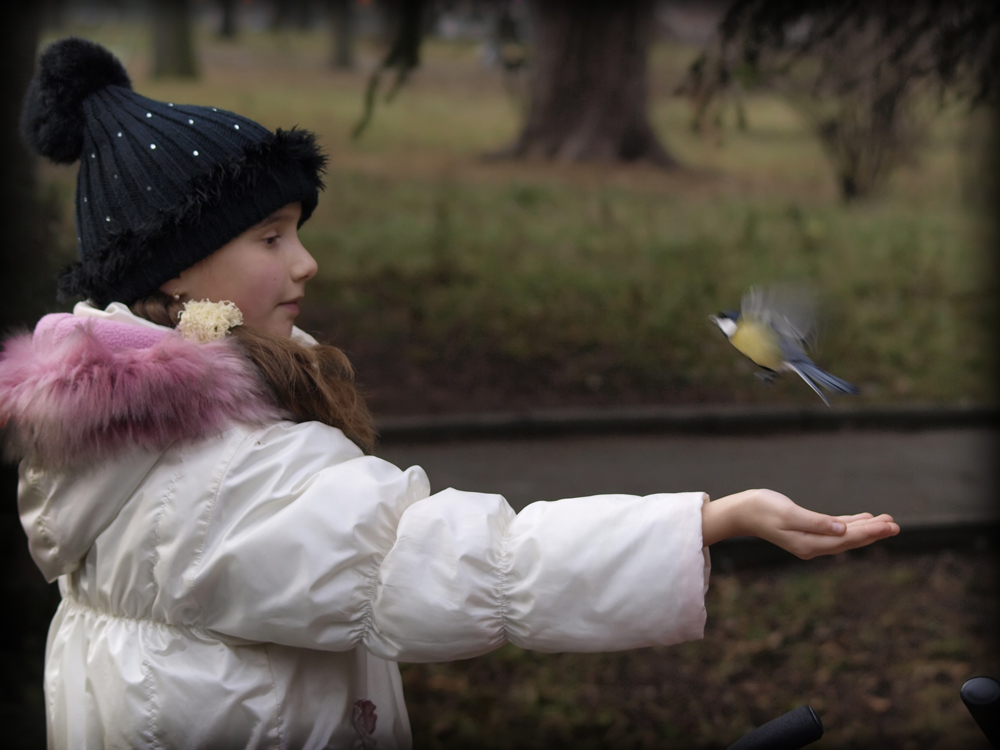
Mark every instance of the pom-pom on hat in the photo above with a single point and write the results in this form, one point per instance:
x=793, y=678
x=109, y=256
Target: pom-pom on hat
x=160, y=185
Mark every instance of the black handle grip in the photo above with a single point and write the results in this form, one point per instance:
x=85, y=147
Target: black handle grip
x=790, y=731
x=981, y=695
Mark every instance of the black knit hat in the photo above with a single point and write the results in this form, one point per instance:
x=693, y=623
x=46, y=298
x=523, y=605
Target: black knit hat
x=160, y=186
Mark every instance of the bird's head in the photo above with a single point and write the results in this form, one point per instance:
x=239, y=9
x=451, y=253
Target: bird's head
x=726, y=321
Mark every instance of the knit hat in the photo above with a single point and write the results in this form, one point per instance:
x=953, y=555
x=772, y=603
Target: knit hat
x=160, y=185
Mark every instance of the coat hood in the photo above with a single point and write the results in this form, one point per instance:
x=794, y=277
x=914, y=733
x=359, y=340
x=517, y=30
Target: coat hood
x=82, y=390
x=91, y=400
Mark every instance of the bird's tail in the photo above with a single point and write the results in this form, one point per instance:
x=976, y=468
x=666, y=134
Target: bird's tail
x=810, y=373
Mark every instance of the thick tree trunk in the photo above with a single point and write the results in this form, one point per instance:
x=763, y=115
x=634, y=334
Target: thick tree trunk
x=589, y=91
x=296, y=14
x=28, y=263
x=227, y=26
x=173, y=39
x=342, y=21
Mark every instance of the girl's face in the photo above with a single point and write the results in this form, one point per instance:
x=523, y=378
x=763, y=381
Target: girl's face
x=263, y=272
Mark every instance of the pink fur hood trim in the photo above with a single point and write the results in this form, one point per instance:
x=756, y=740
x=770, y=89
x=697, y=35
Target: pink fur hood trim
x=80, y=390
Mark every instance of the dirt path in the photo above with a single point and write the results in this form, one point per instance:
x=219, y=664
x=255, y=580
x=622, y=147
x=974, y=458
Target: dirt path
x=928, y=477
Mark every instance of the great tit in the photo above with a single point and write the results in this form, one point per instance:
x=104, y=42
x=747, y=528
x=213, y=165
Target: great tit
x=773, y=327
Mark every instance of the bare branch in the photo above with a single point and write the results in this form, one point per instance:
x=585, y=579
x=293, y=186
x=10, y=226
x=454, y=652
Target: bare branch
x=403, y=55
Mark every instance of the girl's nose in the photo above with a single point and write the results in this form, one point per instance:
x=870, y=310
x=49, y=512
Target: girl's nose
x=304, y=266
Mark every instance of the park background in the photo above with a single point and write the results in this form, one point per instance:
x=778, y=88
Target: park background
x=462, y=280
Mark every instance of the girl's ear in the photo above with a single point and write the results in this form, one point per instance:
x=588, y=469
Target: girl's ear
x=171, y=289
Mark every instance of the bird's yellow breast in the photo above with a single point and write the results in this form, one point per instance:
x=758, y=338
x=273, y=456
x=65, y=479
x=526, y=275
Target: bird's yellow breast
x=757, y=341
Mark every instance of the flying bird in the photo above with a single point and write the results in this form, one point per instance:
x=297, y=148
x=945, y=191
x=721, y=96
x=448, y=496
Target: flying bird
x=774, y=327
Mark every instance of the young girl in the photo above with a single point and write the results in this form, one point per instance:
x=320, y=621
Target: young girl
x=236, y=568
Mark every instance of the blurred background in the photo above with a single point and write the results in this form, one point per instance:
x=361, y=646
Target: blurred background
x=520, y=225
x=537, y=204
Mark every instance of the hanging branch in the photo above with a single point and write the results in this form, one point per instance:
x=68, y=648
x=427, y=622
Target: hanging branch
x=856, y=70
x=403, y=54
x=956, y=43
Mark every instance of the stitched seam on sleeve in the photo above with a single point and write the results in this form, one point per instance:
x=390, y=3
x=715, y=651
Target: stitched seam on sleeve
x=277, y=700
x=368, y=620
x=151, y=707
x=504, y=575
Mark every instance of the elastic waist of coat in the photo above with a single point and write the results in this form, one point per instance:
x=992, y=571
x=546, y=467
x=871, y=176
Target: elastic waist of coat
x=72, y=603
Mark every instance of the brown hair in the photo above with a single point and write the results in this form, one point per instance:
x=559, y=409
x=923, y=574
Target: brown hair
x=312, y=383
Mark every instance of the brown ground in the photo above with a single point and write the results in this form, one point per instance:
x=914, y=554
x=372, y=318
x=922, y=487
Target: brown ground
x=879, y=646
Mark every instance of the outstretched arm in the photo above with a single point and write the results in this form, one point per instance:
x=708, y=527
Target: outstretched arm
x=775, y=518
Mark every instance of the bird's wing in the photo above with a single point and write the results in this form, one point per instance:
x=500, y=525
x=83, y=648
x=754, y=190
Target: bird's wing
x=789, y=309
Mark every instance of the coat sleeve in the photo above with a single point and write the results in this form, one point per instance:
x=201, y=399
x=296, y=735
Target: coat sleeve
x=312, y=544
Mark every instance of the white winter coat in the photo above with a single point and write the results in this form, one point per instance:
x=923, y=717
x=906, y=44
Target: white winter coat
x=255, y=584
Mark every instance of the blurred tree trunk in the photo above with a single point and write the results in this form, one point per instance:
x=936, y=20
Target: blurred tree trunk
x=55, y=13
x=27, y=289
x=227, y=26
x=589, y=90
x=27, y=283
x=341, y=13
x=292, y=13
x=173, y=39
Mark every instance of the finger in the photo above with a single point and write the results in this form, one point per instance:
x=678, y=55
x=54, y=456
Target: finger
x=855, y=517
x=861, y=536
x=858, y=535
x=816, y=523
x=802, y=521
x=883, y=518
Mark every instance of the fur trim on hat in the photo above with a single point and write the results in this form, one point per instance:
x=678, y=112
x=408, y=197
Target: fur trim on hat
x=83, y=399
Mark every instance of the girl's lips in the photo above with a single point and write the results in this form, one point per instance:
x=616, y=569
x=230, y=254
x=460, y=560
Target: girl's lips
x=292, y=307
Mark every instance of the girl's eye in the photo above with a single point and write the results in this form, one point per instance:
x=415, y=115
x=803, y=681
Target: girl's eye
x=271, y=240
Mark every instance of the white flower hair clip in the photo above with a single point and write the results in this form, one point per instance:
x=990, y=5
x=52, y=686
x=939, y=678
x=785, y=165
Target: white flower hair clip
x=208, y=321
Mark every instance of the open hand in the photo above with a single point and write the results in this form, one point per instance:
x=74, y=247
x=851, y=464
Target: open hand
x=775, y=518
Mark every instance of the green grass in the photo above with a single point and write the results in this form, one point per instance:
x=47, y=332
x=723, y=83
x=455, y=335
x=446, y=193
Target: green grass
x=605, y=275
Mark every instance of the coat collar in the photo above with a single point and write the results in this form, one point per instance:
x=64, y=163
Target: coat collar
x=86, y=387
